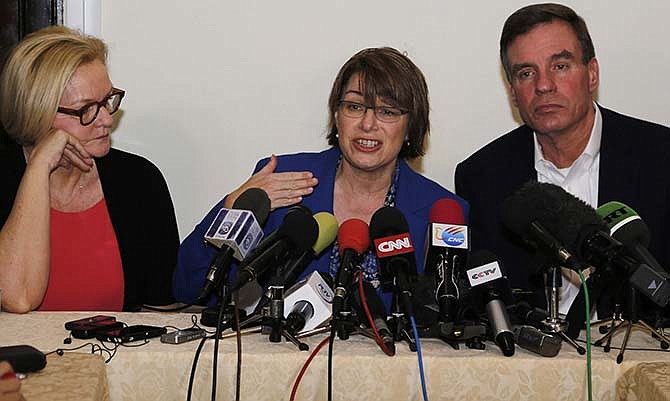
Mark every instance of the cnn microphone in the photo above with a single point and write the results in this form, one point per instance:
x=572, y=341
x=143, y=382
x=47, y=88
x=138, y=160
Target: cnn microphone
x=446, y=253
x=235, y=232
x=353, y=239
x=395, y=252
x=308, y=304
x=377, y=312
x=296, y=233
x=485, y=274
x=626, y=226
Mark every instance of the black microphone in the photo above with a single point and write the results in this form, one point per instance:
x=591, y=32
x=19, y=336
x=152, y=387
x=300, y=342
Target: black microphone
x=353, y=239
x=485, y=275
x=377, y=312
x=446, y=253
x=236, y=232
x=550, y=219
x=395, y=253
x=581, y=230
x=296, y=234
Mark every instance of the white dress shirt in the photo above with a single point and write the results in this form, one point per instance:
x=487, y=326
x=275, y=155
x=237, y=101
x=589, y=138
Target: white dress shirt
x=581, y=180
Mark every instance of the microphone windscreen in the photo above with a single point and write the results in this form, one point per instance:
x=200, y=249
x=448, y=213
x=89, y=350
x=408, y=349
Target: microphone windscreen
x=446, y=211
x=568, y=218
x=300, y=228
x=327, y=231
x=353, y=234
x=624, y=223
x=387, y=221
x=255, y=200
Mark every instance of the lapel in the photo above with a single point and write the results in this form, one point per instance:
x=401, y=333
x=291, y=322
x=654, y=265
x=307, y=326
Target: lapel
x=617, y=180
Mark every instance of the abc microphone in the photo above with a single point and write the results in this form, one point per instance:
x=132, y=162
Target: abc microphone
x=446, y=253
x=485, y=274
x=395, y=252
x=353, y=240
x=308, y=304
x=296, y=233
x=236, y=232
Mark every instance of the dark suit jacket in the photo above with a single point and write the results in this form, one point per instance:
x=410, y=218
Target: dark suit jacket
x=634, y=169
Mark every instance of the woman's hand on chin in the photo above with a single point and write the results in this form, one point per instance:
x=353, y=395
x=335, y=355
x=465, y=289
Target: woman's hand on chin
x=283, y=189
x=60, y=149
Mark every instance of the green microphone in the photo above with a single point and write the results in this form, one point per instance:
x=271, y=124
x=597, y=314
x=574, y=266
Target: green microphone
x=646, y=275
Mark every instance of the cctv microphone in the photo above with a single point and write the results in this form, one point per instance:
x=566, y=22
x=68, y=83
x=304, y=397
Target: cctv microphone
x=485, y=274
x=626, y=226
x=395, y=252
x=353, y=239
x=327, y=232
x=235, y=231
x=446, y=253
x=377, y=311
x=308, y=304
x=296, y=233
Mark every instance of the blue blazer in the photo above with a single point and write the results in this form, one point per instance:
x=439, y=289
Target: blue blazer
x=414, y=197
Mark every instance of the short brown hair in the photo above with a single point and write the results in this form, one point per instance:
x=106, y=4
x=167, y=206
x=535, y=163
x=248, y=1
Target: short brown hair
x=525, y=19
x=388, y=74
x=35, y=77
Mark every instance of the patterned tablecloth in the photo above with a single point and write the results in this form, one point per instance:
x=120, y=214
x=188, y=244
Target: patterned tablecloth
x=157, y=371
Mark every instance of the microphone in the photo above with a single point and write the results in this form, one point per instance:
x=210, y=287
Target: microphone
x=547, y=217
x=626, y=226
x=235, y=232
x=296, y=233
x=534, y=340
x=353, y=240
x=395, y=253
x=485, y=274
x=308, y=304
x=446, y=253
x=377, y=312
x=327, y=232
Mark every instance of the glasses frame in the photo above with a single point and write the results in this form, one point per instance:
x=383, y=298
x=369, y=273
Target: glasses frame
x=103, y=103
x=375, y=109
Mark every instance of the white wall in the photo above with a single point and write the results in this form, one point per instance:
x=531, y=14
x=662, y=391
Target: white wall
x=212, y=86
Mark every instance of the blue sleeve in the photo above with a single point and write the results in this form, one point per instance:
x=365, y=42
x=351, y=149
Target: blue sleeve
x=193, y=260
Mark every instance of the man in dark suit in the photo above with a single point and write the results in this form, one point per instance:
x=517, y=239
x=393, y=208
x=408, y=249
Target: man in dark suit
x=594, y=153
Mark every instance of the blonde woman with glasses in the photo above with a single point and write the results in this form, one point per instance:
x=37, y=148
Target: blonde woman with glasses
x=84, y=226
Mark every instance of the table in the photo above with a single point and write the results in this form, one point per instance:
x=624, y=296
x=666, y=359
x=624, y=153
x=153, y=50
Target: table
x=361, y=370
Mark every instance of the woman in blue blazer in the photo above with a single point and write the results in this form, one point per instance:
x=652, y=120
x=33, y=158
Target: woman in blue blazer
x=378, y=119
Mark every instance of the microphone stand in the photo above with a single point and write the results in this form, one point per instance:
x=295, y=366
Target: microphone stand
x=271, y=320
x=399, y=324
x=630, y=320
x=554, y=324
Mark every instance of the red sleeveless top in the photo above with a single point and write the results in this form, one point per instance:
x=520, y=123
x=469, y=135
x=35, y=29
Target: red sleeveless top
x=86, y=270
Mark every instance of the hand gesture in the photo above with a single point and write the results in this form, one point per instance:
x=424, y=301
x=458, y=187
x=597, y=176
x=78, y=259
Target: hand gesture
x=283, y=189
x=60, y=149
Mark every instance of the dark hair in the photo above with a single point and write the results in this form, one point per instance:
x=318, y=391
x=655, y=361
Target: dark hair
x=525, y=19
x=388, y=74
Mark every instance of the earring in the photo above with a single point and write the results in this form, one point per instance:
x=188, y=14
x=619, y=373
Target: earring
x=337, y=136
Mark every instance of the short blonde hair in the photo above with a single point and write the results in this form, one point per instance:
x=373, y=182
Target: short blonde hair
x=35, y=76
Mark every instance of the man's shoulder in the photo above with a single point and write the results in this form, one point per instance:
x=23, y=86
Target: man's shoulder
x=500, y=149
x=613, y=120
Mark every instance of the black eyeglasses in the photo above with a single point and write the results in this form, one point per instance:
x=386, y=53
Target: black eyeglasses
x=385, y=114
x=88, y=113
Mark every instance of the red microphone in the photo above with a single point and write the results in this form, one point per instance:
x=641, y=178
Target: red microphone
x=354, y=238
